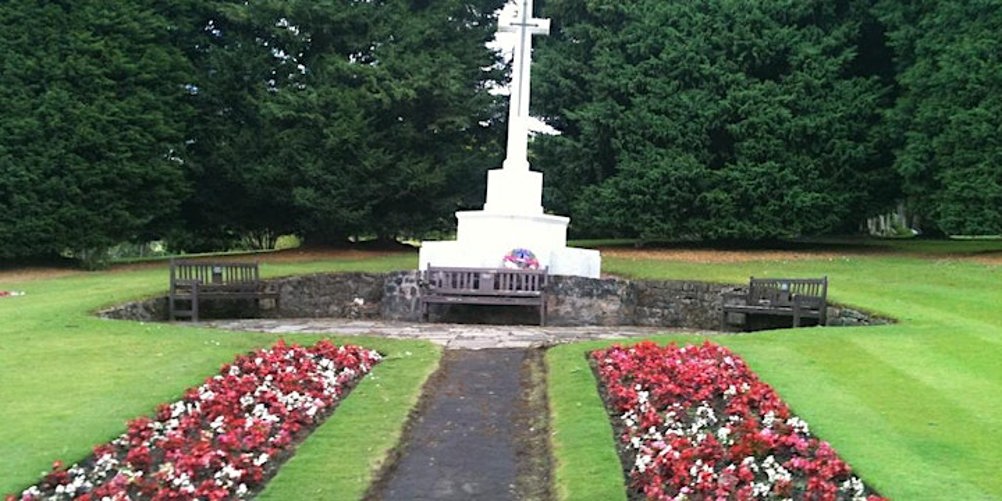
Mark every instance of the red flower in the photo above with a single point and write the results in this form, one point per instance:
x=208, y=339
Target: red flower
x=215, y=442
x=701, y=424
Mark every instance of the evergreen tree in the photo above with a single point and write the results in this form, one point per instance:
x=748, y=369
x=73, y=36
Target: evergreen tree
x=333, y=119
x=711, y=119
x=948, y=116
x=91, y=133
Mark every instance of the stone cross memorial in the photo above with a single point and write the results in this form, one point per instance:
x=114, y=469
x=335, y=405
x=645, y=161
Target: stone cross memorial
x=513, y=217
x=523, y=25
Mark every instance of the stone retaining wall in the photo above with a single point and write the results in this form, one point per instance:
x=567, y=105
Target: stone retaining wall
x=571, y=301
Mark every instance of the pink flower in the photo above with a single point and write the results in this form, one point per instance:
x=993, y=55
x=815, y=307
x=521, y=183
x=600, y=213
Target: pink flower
x=216, y=442
x=704, y=426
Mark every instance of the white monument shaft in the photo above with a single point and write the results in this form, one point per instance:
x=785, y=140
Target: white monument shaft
x=513, y=213
x=515, y=189
x=524, y=26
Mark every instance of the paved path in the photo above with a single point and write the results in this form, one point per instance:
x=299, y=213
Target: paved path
x=474, y=436
x=452, y=336
x=462, y=445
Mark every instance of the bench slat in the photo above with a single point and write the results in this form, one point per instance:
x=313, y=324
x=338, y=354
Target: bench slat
x=796, y=297
x=195, y=280
x=451, y=285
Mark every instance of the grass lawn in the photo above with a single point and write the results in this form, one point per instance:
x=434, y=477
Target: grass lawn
x=914, y=407
x=69, y=381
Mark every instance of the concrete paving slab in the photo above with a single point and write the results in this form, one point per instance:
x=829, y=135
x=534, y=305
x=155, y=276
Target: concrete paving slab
x=451, y=336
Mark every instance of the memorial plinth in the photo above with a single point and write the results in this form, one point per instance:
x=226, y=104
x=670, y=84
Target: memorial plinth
x=484, y=237
x=513, y=216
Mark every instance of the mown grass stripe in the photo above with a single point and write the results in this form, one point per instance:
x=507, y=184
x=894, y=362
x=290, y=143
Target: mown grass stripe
x=339, y=459
x=848, y=401
x=69, y=381
x=588, y=467
x=923, y=416
x=960, y=357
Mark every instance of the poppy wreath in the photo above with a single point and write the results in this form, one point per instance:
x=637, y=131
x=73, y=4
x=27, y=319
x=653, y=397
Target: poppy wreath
x=521, y=259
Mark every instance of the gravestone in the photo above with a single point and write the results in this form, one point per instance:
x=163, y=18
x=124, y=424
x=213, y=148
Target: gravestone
x=513, y=216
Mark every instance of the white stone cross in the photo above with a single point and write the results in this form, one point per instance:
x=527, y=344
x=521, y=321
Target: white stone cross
x=524, y=26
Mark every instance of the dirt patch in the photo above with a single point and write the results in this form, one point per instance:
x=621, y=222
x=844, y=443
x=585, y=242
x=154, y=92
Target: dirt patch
x=361, y=251
x=532, y=432
x=717, y=256
x=29, y=273
x=475, y=434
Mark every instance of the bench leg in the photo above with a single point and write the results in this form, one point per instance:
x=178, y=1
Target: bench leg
x=194, y=302
x=796, y=316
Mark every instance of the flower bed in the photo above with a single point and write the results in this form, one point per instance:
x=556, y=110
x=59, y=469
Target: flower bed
x=696, y=423
x=224, y=438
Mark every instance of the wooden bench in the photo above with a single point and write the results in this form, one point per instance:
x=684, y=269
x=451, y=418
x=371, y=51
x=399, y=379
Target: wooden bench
x=192, y=281
x=793, y=297
x=484, y=286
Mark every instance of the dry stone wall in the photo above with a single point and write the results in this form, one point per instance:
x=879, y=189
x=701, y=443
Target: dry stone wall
x=571, y=301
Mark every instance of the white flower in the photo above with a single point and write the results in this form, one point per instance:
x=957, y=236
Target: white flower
x=205, y=394
x=635, y=442
x=217, y=424
x=627, y=419
x=246, y=400
x=642, y=462
x=769, y=419
x=723, y=434
x=761, y=489
x=854, y=487
x=799, y=425
x=229, y=471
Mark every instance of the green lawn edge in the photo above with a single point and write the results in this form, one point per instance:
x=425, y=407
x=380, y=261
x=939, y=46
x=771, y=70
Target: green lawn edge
x=340, y=459
x=70, y=381
x=586, y=465
x=912, y=407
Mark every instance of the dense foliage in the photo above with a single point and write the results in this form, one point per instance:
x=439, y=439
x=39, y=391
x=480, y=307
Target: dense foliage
x=208, y=122
x=948, y=118
x=711, y=119
x=332, y=119
x=93, y=118
x=211, y=121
